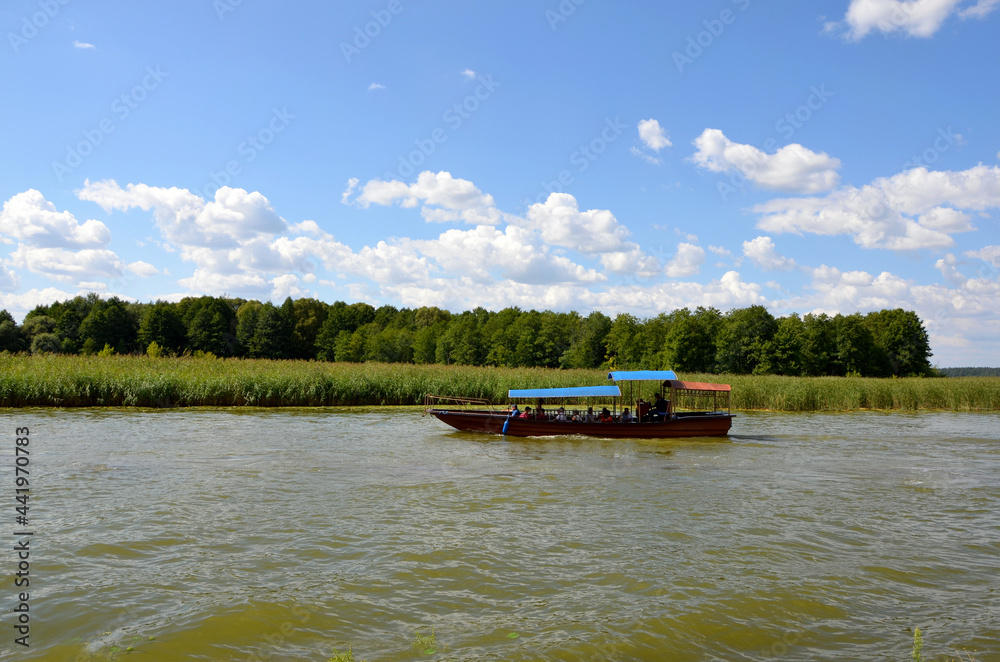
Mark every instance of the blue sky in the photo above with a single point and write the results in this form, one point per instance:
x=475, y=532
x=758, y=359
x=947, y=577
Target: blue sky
x=830, y=156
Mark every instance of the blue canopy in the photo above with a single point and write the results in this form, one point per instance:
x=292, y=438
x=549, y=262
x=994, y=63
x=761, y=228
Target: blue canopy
x=642, y=375
x=574, y=392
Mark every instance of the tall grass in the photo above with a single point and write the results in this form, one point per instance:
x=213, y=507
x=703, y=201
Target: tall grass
x=141, y=381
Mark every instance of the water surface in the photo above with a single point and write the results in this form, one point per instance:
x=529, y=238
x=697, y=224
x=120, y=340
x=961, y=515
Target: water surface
x=283, y=534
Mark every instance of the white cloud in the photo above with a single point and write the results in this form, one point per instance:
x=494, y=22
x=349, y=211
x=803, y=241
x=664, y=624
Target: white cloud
x=30, y=218
x=82, y=44
x=905, y=212
x=8, y=279
x=793, y=168
x=653, y=135
x=980, y=9
x=469, y=73
x=77, y=267
x=142, y=269
x=443, y=197
x=560, y=222
x=376, y=86
x=762, y=253
x=913, y=18
x=648, y=158
x=687, y=261
x=184, y=218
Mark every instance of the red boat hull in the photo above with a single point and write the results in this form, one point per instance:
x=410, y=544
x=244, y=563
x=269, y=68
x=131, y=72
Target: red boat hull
x=694, y=425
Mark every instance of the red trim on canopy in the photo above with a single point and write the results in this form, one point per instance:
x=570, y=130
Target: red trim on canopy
x=700, y=386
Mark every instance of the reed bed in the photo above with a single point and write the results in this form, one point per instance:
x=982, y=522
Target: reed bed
x=140, y=381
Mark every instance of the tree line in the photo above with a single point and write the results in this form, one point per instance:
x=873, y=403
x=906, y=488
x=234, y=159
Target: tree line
x=740, y=341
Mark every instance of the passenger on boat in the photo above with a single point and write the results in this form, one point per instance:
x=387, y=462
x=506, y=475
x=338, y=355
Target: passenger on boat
x=515, y=412
x=561, y=414
x=605, y=416
x=661, y=410
x=540, y=414
x=589, y=416
x=626, y=416
x=527, y=413
x=576, y=416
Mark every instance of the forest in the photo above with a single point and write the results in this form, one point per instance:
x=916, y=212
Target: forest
x=748, y=340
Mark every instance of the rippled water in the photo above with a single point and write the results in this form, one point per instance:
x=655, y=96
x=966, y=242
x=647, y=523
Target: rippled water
x=283, y=534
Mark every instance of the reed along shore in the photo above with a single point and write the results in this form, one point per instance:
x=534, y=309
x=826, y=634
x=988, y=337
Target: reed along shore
x=141, y=381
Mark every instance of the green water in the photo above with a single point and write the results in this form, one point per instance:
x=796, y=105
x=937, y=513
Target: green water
x=283, y=534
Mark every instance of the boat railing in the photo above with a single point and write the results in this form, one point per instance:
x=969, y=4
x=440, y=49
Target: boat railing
x=437, y=401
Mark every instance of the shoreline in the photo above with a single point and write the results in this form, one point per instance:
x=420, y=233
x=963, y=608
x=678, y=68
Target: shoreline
x=55, y=381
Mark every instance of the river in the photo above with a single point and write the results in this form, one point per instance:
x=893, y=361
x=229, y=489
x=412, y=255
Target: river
x=225, y=534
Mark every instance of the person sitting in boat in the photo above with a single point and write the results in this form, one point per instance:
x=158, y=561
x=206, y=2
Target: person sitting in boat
x=540, y=414
x=515, y=412
x=589, y=416
x=576, y=416
x=661, y=410
x=527, y=413
x=561, y=414
x=626, y=416
x=605, y=416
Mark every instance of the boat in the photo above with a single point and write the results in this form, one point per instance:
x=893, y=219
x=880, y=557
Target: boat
x=694, y=409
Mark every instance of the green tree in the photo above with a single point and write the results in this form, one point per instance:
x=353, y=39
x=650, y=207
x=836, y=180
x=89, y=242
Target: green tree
x=587, y=342
x=783, y=353
x=623, y=351
x=901, y=337
x=162, y=324
x=110, y=323
x=309, y=315
x=272, y=333
x=689, y=344
x=11, y=337
x=211, y=325
x=742, y=339
x=46, y=343
x=856, y=350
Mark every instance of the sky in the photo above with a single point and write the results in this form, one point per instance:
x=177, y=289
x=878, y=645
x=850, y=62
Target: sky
x=833, y=156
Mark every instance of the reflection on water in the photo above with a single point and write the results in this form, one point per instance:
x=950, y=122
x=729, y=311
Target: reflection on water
x=283, y=534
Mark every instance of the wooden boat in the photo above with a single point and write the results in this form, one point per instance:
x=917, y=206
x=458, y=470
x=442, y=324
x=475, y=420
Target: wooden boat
x=696, y=409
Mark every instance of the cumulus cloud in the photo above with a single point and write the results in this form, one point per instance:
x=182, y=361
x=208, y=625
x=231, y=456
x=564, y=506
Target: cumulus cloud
x=909, y=211
x=78, y=267
x=913, y=18
x=442, y=197
x=762, y=253
x=653, y=135
x=30, y=218
x=793, y=168
x=185, y=218
x=687, y=261
x=469, y=74
x=82, y=44
x=560, y=222
x=8, y=279
x=54, y=244
x=376, y=86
